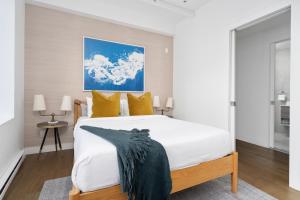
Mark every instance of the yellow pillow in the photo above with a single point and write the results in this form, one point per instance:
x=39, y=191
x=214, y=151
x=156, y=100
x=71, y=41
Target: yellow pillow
x=104, y=106
x=141, y=105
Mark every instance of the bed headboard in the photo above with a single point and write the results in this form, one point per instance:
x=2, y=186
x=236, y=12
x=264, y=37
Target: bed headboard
x=77, y=109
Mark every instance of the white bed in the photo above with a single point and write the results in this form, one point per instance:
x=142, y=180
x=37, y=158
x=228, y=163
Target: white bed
x=186, y=144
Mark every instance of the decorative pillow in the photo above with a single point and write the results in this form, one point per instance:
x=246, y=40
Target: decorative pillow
x=87, y=110
x=84, y=111
x=89, y=103
x=124, y=107
x=141, y=105
x=105, y=106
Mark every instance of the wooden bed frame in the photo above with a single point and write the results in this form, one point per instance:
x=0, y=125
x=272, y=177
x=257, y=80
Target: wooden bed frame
x=181, y=179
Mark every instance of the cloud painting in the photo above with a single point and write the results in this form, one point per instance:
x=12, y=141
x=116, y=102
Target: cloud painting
x=111, y=66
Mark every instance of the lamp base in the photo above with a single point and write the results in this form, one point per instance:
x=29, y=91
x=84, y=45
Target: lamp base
x=53, y=122
x=162, y=110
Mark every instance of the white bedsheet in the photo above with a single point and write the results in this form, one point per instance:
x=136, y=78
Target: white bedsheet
x=186, y=144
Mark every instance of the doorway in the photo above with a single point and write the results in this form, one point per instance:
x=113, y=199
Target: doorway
x=261, y=59
x=281, y=88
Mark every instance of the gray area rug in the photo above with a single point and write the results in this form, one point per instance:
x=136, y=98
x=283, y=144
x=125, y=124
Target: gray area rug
x=219, y=189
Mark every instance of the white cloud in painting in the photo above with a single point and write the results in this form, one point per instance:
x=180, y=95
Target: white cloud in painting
x=102, y=70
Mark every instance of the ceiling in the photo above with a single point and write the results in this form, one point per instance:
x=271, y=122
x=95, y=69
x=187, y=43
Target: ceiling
x=181, y=7
x=159, y=16
x=188, y=4
x=275, y=21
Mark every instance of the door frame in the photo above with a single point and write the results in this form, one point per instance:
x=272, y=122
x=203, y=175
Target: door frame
x=272, y=94
x=232, y=69
x=232, y=87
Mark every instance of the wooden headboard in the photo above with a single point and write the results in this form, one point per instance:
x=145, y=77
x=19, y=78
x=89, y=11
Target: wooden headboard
x=77, y=109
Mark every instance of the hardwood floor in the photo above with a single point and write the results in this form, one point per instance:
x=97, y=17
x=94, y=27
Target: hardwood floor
x=34, y=171
x=264, y=168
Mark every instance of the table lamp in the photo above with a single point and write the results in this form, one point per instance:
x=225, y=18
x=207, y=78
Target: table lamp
x=156, y=104
x=40, y=106
x=169, y=104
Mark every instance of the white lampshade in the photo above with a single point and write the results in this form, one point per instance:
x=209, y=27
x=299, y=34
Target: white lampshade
x=156, y=102
x=39, y=103
x=66, y=104
x=169, y=103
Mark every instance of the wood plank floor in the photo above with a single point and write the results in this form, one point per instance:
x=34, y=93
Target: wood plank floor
x=264, y=168
x=35, y=170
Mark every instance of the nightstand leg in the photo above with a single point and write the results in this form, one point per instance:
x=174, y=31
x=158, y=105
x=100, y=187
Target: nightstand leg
x=55, y=140
x=58, y=137
x=45, y=135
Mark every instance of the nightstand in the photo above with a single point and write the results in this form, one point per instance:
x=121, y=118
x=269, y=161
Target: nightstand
x=55, y=127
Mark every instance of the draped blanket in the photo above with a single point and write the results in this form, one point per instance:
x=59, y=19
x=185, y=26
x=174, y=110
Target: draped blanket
x=143, y=163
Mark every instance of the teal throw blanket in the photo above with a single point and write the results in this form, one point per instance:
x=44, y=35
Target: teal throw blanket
x=143, y=163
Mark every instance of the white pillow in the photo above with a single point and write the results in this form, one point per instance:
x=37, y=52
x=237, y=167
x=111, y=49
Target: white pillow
x=89, y=102
x=123, y=107
x=83, y=110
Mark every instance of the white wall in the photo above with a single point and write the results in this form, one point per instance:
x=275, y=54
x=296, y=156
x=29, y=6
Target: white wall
x=11, y=133
x=253, y=53
x=201, y=65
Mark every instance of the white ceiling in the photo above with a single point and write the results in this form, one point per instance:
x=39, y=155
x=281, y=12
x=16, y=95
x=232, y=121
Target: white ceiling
x=185, y=8
x=159, y=16
x=188, y=4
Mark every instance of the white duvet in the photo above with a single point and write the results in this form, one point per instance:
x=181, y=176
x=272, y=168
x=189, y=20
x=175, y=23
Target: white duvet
x=186, y=144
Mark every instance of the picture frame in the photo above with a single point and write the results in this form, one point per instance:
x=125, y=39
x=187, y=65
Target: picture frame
x=111, y=66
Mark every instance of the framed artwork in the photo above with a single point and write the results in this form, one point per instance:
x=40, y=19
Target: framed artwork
x=112, y=66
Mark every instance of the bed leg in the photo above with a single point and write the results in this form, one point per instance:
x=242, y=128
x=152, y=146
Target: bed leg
x=74, y=194
x=234, y=175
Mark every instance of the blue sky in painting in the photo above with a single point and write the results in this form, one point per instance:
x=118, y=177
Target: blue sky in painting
x=113, y=66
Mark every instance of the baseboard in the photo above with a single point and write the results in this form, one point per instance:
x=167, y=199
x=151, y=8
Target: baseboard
x=46, y=148
x=10, y=173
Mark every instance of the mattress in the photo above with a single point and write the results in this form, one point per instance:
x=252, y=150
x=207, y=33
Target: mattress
x=186, y=144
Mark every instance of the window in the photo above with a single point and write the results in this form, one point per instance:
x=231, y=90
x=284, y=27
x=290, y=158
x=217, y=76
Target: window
x=7, y=58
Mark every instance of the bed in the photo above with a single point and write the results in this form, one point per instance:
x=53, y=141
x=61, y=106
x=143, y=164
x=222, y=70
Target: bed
x=196, y=154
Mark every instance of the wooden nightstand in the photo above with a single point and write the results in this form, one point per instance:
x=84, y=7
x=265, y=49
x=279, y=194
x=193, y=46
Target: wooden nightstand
x=55, y=127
